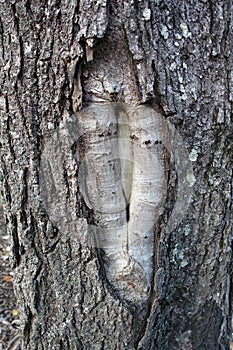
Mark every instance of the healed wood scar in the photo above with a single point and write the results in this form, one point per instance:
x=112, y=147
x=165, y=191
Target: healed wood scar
x=122, y=178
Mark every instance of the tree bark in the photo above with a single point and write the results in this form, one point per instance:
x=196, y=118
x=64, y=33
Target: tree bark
x=62, y=65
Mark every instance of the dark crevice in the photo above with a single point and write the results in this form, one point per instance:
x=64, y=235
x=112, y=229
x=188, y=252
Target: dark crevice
x=157, y=95
x=28, y=7
x=22, y=249
x=77, y=79
x=23, y=219
x=127, y=213
x=25, y=188
x=66, y=180
x=21, y=68
x=74, y=150
x=61, y=345
x=28, y=326
x=1, y=36
x=75, y=26
x=16, y=245
x=15, y=17
x=10, y=141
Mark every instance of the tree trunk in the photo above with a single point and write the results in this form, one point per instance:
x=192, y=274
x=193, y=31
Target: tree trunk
x=125, y=241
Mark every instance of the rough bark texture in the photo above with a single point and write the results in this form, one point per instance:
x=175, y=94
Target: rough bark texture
x=172, y=56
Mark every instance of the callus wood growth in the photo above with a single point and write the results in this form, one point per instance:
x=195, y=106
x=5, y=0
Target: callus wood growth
x=173, y=60
x=122, y=178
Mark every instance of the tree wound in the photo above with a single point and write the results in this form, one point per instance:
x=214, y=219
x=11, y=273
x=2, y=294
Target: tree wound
x=123, y=180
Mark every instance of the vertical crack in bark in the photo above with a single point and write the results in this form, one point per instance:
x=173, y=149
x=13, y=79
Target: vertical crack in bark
x=10, y=140
x=21, y=53
x=27, y=328
x=16, y=244
x=25, y=188
x=2, y=38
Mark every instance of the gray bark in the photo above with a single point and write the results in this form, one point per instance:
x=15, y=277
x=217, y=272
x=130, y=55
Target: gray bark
x=173, y=57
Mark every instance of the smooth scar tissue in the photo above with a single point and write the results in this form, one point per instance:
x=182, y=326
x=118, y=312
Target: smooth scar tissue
x=122, y=178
